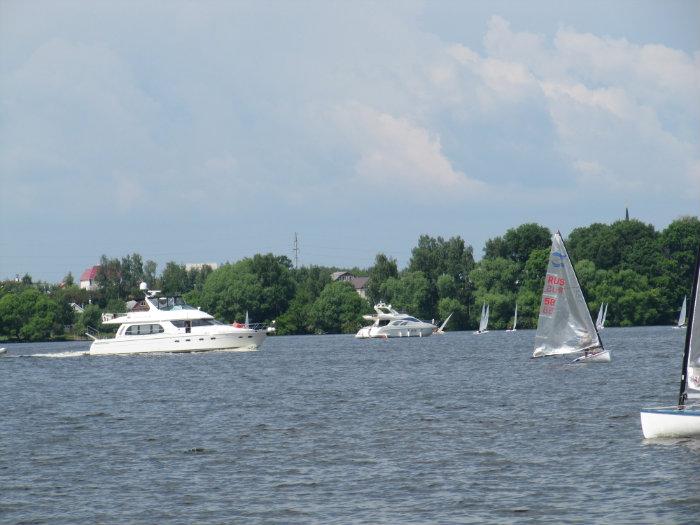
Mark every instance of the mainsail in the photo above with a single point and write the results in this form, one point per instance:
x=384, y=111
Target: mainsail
x=690, y=374
x=484, y=321
x=681, y=317
x=564, y=325
x=515, y=318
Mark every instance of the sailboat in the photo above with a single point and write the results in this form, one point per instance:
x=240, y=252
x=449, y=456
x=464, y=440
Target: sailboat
x=515, y=319
x=565, y=325
x=605, y=316
x=441, y=330
x=484, y=322
x=681, y=420
x=681, y=317
x=599, y=319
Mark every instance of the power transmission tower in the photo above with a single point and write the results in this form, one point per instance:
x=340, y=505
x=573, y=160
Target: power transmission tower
x=296, y=251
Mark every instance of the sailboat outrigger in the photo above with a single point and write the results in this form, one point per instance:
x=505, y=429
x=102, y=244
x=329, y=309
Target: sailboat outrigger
x=681, y=420
x=565, y=325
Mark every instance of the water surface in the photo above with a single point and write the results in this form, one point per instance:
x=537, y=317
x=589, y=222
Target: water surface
x=330, y=429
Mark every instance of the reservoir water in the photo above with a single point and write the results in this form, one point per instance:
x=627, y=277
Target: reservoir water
x=329, y=429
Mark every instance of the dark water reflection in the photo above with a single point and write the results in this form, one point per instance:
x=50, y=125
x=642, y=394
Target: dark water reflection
x=329, y=429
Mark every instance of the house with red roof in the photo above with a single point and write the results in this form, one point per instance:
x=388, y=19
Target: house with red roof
x=87, y=279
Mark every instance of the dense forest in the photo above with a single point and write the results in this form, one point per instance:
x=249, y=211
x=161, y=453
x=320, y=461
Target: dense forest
x=642, y=273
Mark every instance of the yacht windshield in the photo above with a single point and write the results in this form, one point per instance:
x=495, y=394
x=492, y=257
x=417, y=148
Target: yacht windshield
x=171, y=303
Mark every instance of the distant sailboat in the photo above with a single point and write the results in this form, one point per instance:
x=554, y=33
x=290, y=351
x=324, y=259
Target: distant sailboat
x=599, y=319
x=565, y=325
x=515, y=320
x=681, y=420
x=602, y=315
x=605, y=316
x=441, y=330
x=484, y=321
x=681, y=317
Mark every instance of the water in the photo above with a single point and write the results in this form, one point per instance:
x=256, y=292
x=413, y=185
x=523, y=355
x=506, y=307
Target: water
x=330, y=429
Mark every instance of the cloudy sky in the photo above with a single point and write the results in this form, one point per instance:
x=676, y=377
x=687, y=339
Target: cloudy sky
x=210, y=131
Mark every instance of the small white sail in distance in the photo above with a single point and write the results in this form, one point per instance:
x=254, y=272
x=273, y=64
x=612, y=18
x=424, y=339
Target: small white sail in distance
x=605, y=315
x=484, y=320
x=564, y=325
x=441, y=330
x=681, y=317
x=599, y=319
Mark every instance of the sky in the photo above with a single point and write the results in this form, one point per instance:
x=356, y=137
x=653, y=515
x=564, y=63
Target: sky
x=211, y=131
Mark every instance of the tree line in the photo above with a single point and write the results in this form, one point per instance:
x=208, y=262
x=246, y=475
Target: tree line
x=642, y=273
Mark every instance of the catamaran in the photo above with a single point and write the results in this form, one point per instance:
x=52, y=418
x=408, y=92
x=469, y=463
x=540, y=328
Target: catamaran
x=681, y=317
x=681, y=420
x=565, y=325
x=515, y=319
x=484, y=321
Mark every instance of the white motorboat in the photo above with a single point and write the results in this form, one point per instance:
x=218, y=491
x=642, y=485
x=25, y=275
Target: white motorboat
x=564, y=325
x=682, y=420
x=168, y=324
x=484, y=320
x=390, y=323
x=3, y=351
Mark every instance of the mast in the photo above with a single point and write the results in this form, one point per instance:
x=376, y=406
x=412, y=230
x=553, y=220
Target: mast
x=683, y=395
x=600, y=342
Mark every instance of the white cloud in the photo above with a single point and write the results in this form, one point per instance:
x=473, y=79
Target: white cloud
x=398, y=154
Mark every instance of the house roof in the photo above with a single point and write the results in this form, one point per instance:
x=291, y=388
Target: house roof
x=89, y=274
x=359, y=282
x=337, y=275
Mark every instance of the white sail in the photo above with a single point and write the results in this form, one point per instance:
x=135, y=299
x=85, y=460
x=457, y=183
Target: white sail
x=599, y=319
x=681, y=317
x=481, y=319
x=486, y=318
x=692, y=371
x=605, y=315
x=564, y=325
x=515, y=317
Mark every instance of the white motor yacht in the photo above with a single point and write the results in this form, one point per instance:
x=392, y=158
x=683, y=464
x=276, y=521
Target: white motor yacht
x=168, y=324
x=390, y=323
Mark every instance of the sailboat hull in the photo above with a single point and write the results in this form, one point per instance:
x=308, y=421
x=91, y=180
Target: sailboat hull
x=598, y=357
x=670, y=422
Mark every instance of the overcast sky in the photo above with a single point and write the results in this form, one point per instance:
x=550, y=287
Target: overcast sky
x=211, y=131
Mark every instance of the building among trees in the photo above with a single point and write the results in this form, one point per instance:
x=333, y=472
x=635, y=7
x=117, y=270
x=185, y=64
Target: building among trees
x=88, y=279
x=359, y=283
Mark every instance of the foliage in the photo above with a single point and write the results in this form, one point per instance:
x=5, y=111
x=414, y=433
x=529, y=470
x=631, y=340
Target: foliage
x=338, y=309
x=384, y=268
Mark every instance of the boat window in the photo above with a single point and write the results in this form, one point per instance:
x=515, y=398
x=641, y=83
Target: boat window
x=383, y=322
x=178, y=323
x=202, y=322
x=411, y=319
x=144, y=329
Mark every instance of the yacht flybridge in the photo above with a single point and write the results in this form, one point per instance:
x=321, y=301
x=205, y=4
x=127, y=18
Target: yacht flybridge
x=390, y=323
x=168, y=324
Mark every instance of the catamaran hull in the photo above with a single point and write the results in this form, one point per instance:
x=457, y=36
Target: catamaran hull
x=245, y=341
x=670, y=422
x=383, y=332
x=600, y=357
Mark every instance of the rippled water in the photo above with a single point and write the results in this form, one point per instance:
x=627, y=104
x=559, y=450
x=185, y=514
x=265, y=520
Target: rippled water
x=330, y=429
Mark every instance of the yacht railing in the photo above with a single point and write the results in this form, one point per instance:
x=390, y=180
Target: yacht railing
x=92, y=333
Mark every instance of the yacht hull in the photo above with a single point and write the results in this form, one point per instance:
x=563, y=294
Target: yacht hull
x=244, y=340
x=671, y=422
x=386, y=332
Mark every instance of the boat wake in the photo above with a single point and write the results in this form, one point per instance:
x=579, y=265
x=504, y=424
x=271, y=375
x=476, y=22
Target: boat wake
x=53, y=355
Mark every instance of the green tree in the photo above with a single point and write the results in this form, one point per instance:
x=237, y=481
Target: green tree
x=410, y=293
x=338, y=309
x=384, y=268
